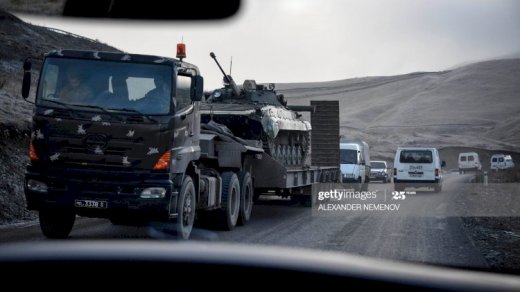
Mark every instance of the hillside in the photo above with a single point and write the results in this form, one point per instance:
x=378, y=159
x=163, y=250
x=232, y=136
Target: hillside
x=19, y=40
x=476, y=105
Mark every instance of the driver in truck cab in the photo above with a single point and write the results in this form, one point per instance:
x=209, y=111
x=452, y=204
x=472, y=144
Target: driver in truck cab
x=75, y=91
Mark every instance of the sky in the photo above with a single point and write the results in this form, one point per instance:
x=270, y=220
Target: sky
x=323, y=40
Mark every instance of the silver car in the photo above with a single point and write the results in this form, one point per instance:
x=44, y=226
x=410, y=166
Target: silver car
x=379, y=172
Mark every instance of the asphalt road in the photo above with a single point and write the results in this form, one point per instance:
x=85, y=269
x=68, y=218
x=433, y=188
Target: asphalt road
x=423, y=230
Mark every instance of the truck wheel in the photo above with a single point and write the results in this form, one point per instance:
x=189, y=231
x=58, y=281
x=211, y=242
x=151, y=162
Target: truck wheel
x=186, y=208
x=228, y=215
x=246, y=197
x=57, y=222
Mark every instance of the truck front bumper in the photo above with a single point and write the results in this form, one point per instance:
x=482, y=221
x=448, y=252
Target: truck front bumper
x=108, y=193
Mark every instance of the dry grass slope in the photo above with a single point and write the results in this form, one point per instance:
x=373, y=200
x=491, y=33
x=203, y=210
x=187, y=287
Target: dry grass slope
x=477, y=105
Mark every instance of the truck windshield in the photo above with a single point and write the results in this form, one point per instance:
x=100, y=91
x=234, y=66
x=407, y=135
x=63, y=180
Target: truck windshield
x=348, y=156
x=109, y=85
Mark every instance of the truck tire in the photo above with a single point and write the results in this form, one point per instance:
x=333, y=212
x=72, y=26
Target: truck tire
x=57, y=222
x=246, y=197
x=186, y=206
x=230, y=205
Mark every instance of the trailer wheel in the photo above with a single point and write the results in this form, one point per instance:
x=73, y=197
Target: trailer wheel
x=246, y=197
x=230, y=207
x=186, y=208
x=57, y=222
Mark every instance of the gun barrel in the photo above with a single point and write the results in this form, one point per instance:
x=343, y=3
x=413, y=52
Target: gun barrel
x=212, y=55
x=234, y=87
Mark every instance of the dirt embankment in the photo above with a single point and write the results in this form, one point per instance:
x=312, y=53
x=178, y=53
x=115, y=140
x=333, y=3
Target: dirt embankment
x=492, y=220
x=19, y=40
x=491, y=213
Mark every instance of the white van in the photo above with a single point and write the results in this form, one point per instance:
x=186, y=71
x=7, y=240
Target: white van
x=469, y=161
x=501, y=161
x=355, y=163
x=417, y=167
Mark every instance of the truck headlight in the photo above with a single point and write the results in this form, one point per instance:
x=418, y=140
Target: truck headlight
x=153, y=193
x=37, y=186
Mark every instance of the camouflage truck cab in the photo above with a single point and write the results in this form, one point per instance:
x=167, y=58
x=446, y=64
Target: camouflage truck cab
x=104, y=136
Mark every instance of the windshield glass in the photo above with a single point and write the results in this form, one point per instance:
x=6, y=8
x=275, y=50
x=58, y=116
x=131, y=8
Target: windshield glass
x=377, y=165
x=416, y=156
x=145, y=88
x=348, y=156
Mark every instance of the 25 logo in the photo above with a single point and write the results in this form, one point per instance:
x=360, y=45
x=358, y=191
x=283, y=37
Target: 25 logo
x=398, y=195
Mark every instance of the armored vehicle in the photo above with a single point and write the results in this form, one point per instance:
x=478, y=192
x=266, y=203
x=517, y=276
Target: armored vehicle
x=256, y=112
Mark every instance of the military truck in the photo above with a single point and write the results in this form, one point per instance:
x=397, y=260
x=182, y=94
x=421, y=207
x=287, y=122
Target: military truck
x=119, y=136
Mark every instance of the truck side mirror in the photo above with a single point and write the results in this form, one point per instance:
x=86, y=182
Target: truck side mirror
x=197, y=89
x=443, y=164
x=26, y=83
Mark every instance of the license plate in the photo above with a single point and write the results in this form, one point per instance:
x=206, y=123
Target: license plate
x=415, y=174
x=91, y=204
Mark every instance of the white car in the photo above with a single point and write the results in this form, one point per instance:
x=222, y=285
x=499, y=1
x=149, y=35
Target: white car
x=379, y=171
x=417, y=167
x=501, y=161
x=469, y=161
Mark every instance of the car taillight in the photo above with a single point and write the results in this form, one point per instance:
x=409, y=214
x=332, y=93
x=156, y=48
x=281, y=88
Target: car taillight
x=163, y=162
x=32, y=153
x=395, y=171
x=436, y=172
